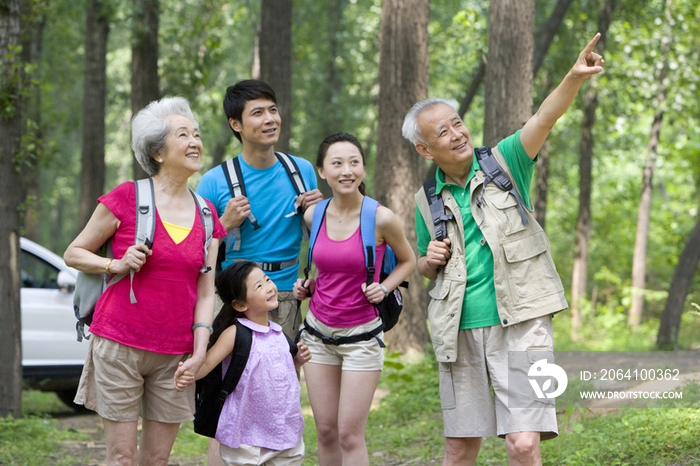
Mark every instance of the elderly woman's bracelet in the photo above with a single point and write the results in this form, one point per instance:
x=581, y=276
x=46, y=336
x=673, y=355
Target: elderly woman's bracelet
x=202, y=324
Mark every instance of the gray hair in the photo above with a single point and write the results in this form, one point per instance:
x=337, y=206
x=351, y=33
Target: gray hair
x=149, y=128
x=411, y=129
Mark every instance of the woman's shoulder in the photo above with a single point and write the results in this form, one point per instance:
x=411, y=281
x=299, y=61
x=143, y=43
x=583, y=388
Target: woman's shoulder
x=384, y=216
x=118, y=198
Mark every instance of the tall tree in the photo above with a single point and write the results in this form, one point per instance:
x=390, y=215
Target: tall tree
x=144, y=61
x=11, y=196
x=403, y=81
x=545, y=38
x=92, y=173
x=644, y=211
x=667, y=338
x=276, y=60
x=585, y=166
x=508, y=90
x=31, y=39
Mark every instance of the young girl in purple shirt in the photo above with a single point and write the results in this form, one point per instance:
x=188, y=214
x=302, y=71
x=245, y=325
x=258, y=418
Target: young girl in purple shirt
x=261, y=419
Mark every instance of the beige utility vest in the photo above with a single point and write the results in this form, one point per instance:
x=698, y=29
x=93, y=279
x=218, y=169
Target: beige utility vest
x=525, y=278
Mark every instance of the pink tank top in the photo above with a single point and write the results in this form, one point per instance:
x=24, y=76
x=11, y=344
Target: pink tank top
x=338, y=300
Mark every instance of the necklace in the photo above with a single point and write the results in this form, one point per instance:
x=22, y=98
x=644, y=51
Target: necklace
x=337, y=214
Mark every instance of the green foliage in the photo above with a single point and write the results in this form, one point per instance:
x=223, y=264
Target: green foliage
x=34, y=439
x=207, y=45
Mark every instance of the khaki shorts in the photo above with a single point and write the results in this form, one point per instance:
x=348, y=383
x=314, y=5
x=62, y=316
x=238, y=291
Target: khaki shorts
x=360, y=356
x=120, y=382
x=247, y=455
x=468, y=407
x=287, y=315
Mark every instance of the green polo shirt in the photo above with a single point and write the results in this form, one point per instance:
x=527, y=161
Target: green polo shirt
x=479, y=307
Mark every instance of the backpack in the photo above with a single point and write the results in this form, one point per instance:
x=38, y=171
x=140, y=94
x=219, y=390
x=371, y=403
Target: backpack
x=390, y=308
x=89, y=287
x=234, y=177
x=212, y=390
x=493, y=172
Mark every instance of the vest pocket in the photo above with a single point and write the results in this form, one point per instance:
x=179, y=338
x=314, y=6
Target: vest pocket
x=447, y=389
x=508, y=205
x=531, y=271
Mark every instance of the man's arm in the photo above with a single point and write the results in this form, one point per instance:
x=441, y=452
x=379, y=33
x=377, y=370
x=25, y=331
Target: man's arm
x=555, y=105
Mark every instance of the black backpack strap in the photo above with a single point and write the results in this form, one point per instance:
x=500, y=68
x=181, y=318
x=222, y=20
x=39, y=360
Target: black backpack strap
x=495, y=173
x=293, y=348
x=292, y=169
x=343, y=340
x=437, y=209
x=234, y=178
x=239, y=359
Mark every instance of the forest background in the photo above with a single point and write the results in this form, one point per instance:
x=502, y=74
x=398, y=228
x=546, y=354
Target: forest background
x=616, y=186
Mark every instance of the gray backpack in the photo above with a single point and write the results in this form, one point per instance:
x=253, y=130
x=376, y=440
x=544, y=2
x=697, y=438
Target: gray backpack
x=89, y=287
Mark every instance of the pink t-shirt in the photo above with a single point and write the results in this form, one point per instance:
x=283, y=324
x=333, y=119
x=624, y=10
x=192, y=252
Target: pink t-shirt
x=265, y=408
x=165, y=287
x=338, y=299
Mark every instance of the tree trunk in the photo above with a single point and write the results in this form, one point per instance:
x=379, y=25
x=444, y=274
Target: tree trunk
x=144, y=62
x=31, y=39
x=403, y=81
x=546, y=36
x=276, y=60
x=221, y=144
x=92, y=173
x=473, y=88
x=644, y=212
x=667, y=338
x=508, y=103
x=11, y=196
x=579, y=278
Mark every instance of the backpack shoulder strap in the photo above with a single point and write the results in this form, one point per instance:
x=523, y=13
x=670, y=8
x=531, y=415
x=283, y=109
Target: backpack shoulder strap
x=494, y=172
x=367, y=221
x=293, y=172
x=239, y=359
x=145, y=220
x=319, y=213
x=293, y=348
x=208, y=223
x=292, y=169
x=437, y=208
x=234, y=178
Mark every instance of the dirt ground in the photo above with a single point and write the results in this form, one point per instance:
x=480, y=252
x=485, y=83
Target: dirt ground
x=93, y=452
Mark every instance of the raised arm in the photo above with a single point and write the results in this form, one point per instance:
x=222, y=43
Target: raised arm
x=555, y=105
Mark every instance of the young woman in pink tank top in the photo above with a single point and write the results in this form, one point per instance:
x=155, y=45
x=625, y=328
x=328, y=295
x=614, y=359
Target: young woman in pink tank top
x=341, y=379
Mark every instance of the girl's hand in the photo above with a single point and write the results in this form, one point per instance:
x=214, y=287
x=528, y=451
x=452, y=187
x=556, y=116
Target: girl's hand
x=183, y=378
x=303, y=288
x=303, y=355
x=134, y=258
x=374, y=293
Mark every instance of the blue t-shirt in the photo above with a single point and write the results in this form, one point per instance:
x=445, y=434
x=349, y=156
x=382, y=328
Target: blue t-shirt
x=271, y=195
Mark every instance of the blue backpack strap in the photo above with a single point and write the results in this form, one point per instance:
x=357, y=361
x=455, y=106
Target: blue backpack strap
x=319, y=213
x=367, y=220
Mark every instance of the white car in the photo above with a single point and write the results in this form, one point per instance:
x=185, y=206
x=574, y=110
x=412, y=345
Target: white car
x=52, y=358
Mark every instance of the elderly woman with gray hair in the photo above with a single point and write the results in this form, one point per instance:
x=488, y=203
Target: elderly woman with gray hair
x=136, y=347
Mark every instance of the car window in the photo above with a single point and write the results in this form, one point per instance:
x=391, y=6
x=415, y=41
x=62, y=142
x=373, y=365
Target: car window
x=37, y=273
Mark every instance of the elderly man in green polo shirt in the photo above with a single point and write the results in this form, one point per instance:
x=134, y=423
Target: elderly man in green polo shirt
x=496, y=285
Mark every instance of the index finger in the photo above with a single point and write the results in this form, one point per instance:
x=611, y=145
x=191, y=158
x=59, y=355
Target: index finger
x=591, y=44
